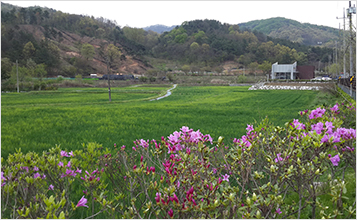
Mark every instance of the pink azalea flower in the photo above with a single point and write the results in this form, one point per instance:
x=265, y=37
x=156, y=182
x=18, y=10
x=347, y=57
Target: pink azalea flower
x=334, y=108
x=36, y=175
x=335, y=160
x=82, y=202
x=64, y=154
x=171, y=213
x=278, y=211
x=60, y=164
x=71, y=154
x=51, y=187
x=249, y=128
x=35, y=168
x=226, y=177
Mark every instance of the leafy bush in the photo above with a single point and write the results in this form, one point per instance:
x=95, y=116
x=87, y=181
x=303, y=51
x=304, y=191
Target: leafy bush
x=152, y=79
x=188, y=174
x=143, y=79
x=241, y=79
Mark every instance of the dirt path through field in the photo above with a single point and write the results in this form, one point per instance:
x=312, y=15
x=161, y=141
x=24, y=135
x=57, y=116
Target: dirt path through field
x=167, y=94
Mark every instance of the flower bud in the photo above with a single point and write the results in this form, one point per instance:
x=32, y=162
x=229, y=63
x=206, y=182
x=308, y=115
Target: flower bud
x=258, y=214
x=254, y=197
x=248, y=201
x=220, y=140
x=317, y=171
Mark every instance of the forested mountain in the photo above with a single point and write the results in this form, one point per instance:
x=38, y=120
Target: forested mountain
x=159, y=28
x=68, y=44
x=304, y=33
x=208, y=42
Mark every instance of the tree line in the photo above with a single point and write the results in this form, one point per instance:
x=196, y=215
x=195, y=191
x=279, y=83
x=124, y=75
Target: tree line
x=201, y=43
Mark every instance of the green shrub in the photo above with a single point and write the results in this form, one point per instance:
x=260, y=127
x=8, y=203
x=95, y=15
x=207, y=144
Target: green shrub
x=241, y=79
x=152, y=79
x=143, y=79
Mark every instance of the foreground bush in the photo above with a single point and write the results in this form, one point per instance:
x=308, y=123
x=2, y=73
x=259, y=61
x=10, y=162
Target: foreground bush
x=189, y=175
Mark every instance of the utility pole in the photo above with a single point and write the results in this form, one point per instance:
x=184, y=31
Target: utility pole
x=108, y=72
x=351, y=10
x=336, y=60
x=344, y=44
x=17, y=77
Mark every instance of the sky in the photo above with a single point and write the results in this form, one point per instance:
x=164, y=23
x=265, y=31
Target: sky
x=141, y=14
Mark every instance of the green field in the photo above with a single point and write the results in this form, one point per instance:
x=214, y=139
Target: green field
x=37, y=121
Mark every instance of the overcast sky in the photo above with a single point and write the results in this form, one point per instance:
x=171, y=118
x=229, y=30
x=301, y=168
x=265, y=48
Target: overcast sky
x=145, y=13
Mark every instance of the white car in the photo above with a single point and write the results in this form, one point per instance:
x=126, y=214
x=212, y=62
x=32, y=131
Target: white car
x=326, y=78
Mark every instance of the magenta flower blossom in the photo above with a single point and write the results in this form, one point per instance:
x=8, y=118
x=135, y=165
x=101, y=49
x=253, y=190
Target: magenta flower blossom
x=185, y=129
x=329, y=127
x=152, y=169
x=78, y=170
x=60, y=164
x=69, y=164
x=123, y=147
x=51, y=187
x=64, y=154
x=82, y=202
x=36, y=175
x=157, y=197
x=317, y=113
x=249, y=128
x=71, y=154
x=35, y=168
x=334, y=108
x=134, y=148
x=325, y=139
x=335, y=160
x=298, y=125
x=171, y=213
x=226, y=177
x=278, y=211
x=278, y=158
x=318, y=127
x=134, y=167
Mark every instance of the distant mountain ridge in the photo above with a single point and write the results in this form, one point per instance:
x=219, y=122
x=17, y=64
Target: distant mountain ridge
x=159, y=28
x=303, y=33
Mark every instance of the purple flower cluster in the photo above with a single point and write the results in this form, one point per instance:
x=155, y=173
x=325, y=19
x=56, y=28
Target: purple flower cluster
x=335, y=160
x=3, y=179
x=334, y=108
x=317, y=113
x=65, y=154
x=179, y=139
x=298, y=125
x=245, y=141
x=91, y=176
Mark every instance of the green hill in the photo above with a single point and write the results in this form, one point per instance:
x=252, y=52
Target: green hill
x=304, y=33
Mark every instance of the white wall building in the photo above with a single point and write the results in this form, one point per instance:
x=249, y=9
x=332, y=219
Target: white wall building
x=283, y=71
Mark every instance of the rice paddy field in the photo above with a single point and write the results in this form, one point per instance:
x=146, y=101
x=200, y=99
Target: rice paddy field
x=37, y=121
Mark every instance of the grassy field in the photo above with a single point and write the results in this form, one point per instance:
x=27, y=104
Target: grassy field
x=37, y=121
